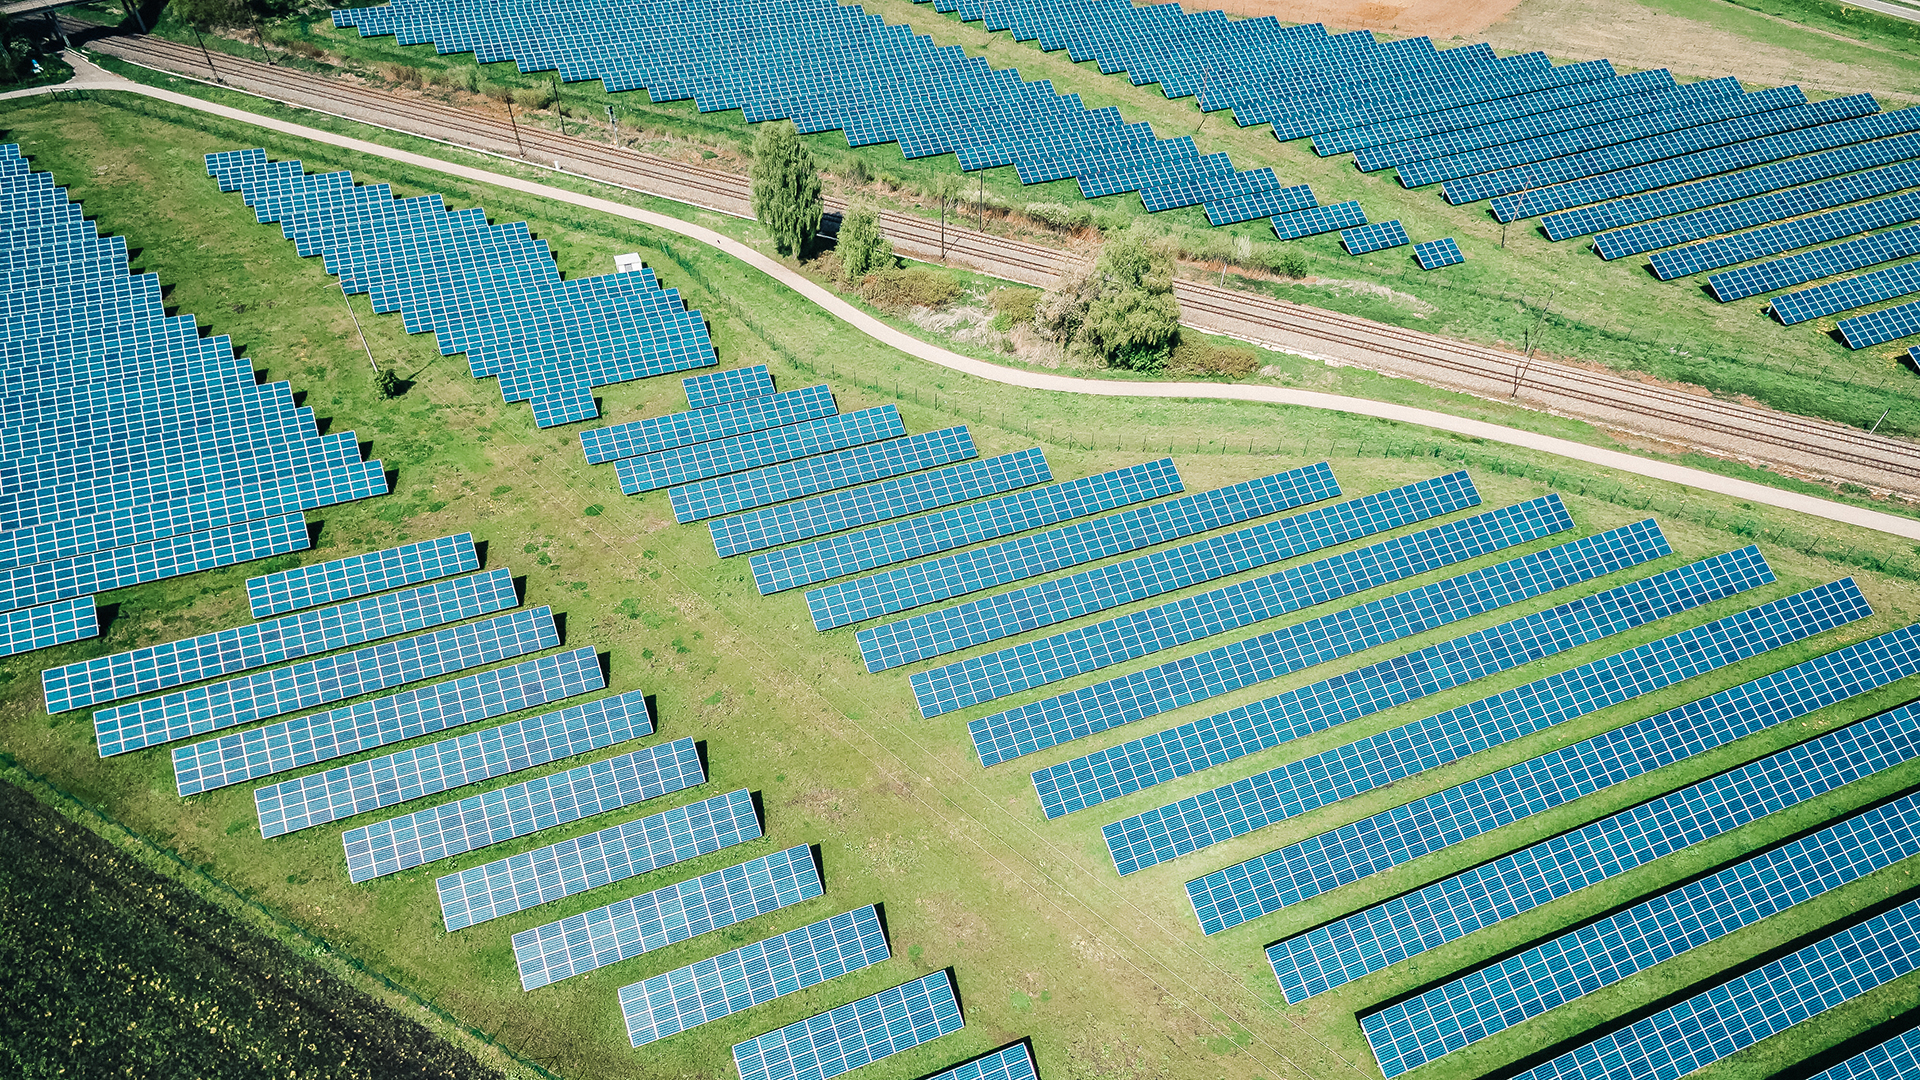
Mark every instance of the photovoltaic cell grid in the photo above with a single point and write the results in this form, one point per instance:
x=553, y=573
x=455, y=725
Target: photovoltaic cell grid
x=720, y=387
x=855, y=1034
x=1738, y=1013
x=1012, y=1063
x=889, y=499
x=122, y=728
x=1072, y=652
x=1320, y=219
x=641, y=924
x=1434, y=254
x=1897, y=1057
x=1838, y=296
x=1879, y=327
x=1812, y=265
x=451, y=763
x=439, y=832
x=1785, y=236
x=1224, y=737
x=1010, y=560
x=658, y=433
x=707, y=990
x=290, y=637
x=756, y=448
x=351, y=729
x=49, y=624
x=1168, y=686
x=1388, y=933
x=1375, y=237
x=519, y=882
x=824, y=472
x=1266, y=884
x=974, y=523
x=1475, y=1006
x=358, y=575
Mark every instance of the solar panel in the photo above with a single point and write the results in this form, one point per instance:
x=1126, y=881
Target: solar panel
x=519, y=882
x=1590, y=81
x=1878, y=327
x=1319, y=219
x=1740, y=1012
x=1141, y=763
x=1010, y=1063
x=224, y=652
x=754, y=449
x=451, y=763
x=1010, y=560
x=358, y=575
x=388, y=847
x=707, y=990
x=1799, y=232
x=1060, y=599
x=49, y=624
x=734, y=384
x=1229, y=209
x=1263, y=885
x=1366, y=238
x=351, y=729
x=673, y=430
x=1890, y=1060
x=854, y=1034
x=889, y=499
x=122, y=728
x=1434, y=254
x=1112, y=641
x=1813, y=265
x=970, y=524
x=825, y=472
x=1123, y=700
x=1477, y=1005
x=64, y=579
x=628, y=928
x=1838, y=296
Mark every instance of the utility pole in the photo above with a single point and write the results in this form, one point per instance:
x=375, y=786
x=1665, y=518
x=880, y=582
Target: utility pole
x=1200, y=99
x=515, y=125
x=613, y=127
x=980, y=204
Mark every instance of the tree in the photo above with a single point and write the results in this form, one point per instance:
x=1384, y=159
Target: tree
x=786, y=187
x=862, y=249
x=1119, y=307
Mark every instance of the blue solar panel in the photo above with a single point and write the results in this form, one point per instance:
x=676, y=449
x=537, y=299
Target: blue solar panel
x=970, y=524
x=1383, y=234
x=1129, y=767
x=1475, y=1006
x=1891, y=1060
x=64, y=579
x=1012, y=1063
x=519, y=882
x=1800, y=232
x=1272, y=881
x=1046, y=603
x=1434, y=254
x=122, y=728
x=754, y=449
x=707, y=990
x=1259, y=204
x=1772, y=199
x=49, y=624
x=1813, y=265
x=224, y=652
x=1736, y=1014
x=358, y=575
x=1319, y=219
x=855, y=1034
x=652, y=435
x=1073, y=652
x=628, y=928
x=1878, y=327
x=810, y=476
x=899, y=497
x=451, y=763
x=1388, y=933
x=1838, y=296
x=351, y=729
x=1010, y=560
x=1168, y=686
x=734, y=384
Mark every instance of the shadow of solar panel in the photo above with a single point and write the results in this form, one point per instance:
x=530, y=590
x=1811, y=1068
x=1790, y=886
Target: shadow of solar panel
x=358, y=575
x=1878, y=327
x=854, y=1034
x=658, y=433
x=1787, y=235
x=824, y=472
x=519, y=882
x=721, y=387
x=1384, y=234
x=440, y=832
x=49, y=624
x=707, y=990
x=1434, y=254
x=629, y=928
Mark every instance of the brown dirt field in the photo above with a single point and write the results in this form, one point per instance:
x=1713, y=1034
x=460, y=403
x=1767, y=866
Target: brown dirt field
x=1440, y=19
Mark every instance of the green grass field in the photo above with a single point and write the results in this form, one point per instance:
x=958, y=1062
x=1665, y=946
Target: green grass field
x=1109, y=977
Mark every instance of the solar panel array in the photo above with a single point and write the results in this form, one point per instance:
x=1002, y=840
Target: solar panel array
x=938, y=632
x=755, y=449
x=1823, y=262
x=1102, y=644
x=1880, y=327
x=136, y=448
x=352, y=729
x=196, y=711
x=1779, y=212
x=825, y=472
x=718, y=986
x=628, y=928
x=1838, y=296
x=489, y=290
x=1299, y=871
x=1785, y=236
x=440, y=832
x=358, y=575
x=1123, y=700
x=720, y=387
x=451, y=763
x=1384, y=234
x=1434, y=254
x=1740, y=1012
x=854, y=1034
x=224, y=652
x=659, y=433
x=1215, y=740
x=519, y=882
x=1477, y=1005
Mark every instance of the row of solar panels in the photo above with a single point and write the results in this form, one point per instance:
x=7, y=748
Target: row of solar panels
x=136, y=449
x=490, y=291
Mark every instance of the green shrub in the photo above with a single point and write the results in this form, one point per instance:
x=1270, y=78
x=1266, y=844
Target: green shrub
x=861, y=248
x=911, y=287
x=1291, y=263
x=1059, y=216
x=1013, y=307
x=1212, y=359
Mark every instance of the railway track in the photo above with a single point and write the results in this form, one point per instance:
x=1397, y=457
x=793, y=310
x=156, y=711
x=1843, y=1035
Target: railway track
x=1667, y=415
